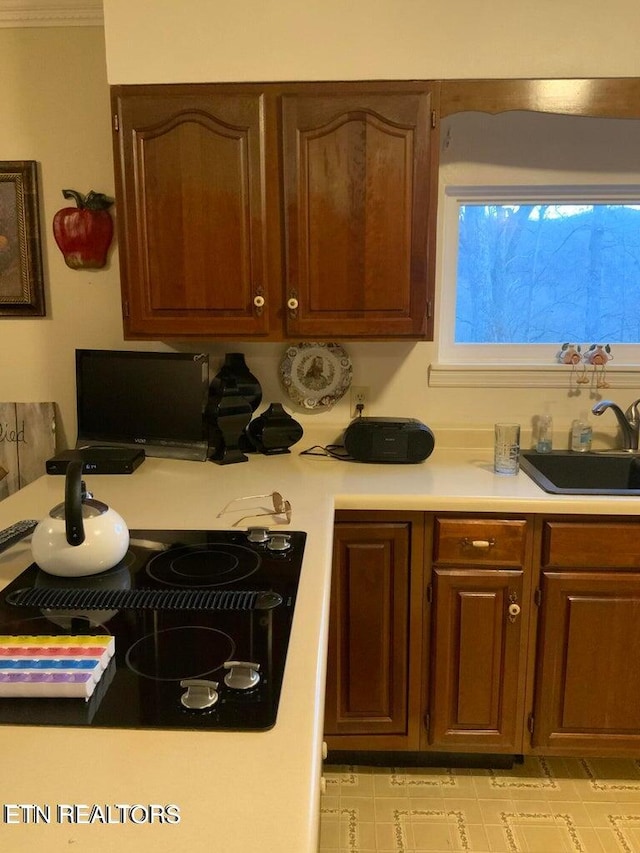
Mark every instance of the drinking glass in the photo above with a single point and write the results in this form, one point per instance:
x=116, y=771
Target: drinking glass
x=506, y=449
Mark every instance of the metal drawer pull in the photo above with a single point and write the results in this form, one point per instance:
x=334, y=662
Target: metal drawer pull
x=482, y=544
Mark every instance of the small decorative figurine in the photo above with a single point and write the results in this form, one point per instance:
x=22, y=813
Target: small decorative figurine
x=572, y=354
x=569, y=354
x=598, y=355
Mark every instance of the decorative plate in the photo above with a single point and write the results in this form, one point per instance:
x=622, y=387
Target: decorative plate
x=315, y=375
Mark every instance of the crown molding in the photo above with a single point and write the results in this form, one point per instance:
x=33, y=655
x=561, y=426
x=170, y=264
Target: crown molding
x=51, y=13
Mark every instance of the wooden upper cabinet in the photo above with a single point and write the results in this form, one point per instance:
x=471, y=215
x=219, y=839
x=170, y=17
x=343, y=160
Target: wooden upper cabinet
x=274, y=211
x=360, y=171
x=209, y=175
x=192, y=183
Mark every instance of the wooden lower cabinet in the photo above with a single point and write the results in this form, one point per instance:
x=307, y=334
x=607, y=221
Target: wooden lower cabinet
x=480, y=594
x=587, y=690
x=479, y=622
x=479, y=633
x=374, y=658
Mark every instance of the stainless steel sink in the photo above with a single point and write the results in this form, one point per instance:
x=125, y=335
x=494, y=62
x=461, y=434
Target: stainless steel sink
x=562, y=472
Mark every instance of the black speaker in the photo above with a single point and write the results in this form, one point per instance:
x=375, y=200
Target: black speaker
x=398, y=440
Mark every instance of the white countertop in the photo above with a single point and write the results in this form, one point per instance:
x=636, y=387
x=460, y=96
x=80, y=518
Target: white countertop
x=236, y=792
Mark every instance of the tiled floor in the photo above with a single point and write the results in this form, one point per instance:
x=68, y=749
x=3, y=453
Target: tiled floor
x=546, y=805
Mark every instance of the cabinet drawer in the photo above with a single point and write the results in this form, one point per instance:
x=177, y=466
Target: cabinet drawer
x=601, y=544
x=479, y=541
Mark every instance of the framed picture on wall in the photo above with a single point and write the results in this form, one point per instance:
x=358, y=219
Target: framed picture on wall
x=21, y=280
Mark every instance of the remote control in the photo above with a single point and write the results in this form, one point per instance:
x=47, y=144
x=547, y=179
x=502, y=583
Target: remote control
x=15, y=532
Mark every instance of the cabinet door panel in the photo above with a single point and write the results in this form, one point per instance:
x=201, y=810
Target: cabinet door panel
x=368, y=645
x=476, y=654
x=347, y=238
x=588, y=679
x=359, y=207
x=180, y=207
x=193, y=234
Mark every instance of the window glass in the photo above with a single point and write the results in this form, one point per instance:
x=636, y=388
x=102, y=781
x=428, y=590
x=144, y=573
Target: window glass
x=547, y=272
x=525, y=269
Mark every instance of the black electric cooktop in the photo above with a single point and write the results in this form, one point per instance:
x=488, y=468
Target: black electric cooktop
x=183, y=605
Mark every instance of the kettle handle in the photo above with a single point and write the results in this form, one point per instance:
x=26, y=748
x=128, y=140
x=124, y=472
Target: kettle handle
x=74, y=528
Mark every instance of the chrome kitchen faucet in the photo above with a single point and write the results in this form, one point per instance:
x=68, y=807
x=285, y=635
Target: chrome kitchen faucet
x=629, y=421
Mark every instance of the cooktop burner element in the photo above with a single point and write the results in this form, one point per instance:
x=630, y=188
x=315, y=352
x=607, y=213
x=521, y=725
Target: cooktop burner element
x=203, y=565
x=177, y=653
x=209, y=612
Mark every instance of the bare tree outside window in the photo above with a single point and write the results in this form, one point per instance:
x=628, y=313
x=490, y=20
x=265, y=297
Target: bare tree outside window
x=548, y=272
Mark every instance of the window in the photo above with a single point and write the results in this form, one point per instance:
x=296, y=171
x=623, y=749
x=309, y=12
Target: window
x=526, y=269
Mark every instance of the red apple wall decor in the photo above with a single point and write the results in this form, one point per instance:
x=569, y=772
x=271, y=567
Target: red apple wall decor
x=84, y=233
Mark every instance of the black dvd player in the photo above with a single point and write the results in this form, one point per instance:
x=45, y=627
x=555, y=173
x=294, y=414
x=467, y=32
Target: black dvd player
x=98, y=460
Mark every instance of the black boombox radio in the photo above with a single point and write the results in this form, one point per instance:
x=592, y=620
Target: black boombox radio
x=399, y=440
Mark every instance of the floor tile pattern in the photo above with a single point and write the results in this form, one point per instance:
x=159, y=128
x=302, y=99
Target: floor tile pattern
x=543, y=805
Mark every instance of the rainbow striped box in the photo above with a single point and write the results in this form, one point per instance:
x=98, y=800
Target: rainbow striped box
x=53, y=666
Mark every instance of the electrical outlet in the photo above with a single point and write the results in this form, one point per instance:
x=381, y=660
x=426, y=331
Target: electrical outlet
x=359, y=397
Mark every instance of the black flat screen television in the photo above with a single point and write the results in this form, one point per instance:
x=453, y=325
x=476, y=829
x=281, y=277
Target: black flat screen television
x=150, y=400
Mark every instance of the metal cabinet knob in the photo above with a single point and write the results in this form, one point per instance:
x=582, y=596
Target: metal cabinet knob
x=259, y=302
x=514, y=608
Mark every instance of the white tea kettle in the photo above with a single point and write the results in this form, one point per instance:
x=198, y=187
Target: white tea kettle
x=82, y=536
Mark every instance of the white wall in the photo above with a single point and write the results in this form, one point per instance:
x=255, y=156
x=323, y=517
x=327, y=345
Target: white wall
x=200, y=40
x=56, y=111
